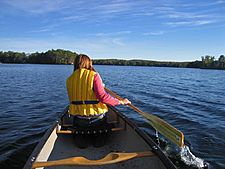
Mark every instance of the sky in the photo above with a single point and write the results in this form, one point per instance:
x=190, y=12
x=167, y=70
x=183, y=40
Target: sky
x=163, y=30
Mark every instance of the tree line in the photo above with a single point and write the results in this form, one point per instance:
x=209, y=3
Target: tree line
x=139, y=63
x=207, y=62
x=58, y=56
x=61, y=56
x=211, y=62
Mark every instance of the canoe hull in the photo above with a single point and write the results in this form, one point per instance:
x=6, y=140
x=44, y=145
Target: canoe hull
x=126, y=137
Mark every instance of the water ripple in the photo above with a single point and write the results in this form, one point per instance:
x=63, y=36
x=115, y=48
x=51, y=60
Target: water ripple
x=192, y=100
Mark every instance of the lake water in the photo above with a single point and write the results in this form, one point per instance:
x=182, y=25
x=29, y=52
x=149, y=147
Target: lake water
x=192, y=100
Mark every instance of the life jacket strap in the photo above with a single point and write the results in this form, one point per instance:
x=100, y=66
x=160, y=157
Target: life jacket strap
x=85, y=102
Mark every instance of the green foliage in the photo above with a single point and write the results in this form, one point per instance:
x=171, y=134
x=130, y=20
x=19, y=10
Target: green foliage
x=195, y=64
x=138, y=63
x=209, y=62
x=221, y=62
x=12, y=57
x=60, y=56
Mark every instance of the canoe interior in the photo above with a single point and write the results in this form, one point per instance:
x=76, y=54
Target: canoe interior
x=125, y=138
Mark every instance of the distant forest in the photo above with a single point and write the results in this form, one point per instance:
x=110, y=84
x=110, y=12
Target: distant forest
x=60, y=56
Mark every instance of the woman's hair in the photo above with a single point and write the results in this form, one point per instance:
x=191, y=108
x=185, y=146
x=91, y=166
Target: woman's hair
x=83, y=61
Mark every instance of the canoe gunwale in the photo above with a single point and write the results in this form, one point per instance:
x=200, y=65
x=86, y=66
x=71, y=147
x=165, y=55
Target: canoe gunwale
x=155, y=148
x=42, y=142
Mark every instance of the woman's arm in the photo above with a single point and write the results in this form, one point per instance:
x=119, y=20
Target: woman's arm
x=101, y=94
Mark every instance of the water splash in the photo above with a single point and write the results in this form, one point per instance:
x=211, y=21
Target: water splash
x=188, y=158
x=184, y=154
x=157, y=137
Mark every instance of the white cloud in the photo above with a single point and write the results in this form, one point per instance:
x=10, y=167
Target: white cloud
x=219, y=2
x=40, y=30
x=154, y=33
x=144, y=13
x=27, y=44
x=37, y=7
x=117, y=7
x=101, y=11
x=185, y=15
x=94, y=45
x=101, y=34
x=190, y=23
x=180, y=15
x=118, y=42
x=74, y=17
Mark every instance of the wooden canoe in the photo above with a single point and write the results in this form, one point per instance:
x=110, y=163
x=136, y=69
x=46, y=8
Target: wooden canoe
x=127, y=147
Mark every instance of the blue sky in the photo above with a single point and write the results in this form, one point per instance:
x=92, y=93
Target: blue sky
x=170, y=30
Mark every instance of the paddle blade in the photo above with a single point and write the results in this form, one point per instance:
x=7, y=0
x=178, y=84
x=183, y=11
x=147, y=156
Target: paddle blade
x=165, y=129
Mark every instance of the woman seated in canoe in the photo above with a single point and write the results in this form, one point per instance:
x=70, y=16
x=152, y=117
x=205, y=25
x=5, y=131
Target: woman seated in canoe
x=88, y=101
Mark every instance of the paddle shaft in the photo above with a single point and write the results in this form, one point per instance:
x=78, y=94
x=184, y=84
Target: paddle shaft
x=111, y=158
x=120, y=98
x=160, y=125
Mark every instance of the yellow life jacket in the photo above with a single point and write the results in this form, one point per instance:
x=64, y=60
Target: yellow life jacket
x=80, y=89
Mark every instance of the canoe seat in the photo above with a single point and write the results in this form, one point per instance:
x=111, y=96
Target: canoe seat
x=67, y=127
x=68, y=131
x=105, y=128
x=73, y=130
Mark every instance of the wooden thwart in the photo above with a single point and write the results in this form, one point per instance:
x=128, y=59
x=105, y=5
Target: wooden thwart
x=71, y=132
x=111, y=158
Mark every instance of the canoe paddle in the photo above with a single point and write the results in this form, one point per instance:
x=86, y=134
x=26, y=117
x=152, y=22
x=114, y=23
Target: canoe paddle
x=158, y=124
x=111, y=158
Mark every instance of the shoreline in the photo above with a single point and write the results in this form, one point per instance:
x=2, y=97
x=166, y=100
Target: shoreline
x=60, y=56
x=160, y=66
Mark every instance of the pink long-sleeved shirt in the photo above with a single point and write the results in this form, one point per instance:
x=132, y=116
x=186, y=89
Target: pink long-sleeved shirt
x=101, y=94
